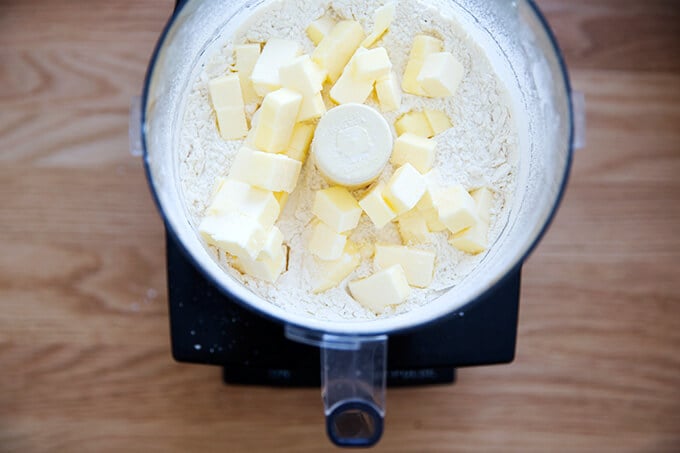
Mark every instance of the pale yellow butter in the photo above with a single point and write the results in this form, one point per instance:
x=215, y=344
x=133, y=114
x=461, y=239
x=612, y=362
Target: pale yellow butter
x=376, y=208
x=282, y=198
x=484, y=201
x=440, y=75
x=337, y=208
x=371, y=65
x=382, y=289
x=237, y=196
x=349, y=89
x=227, y=100
x=302, y=75
x=312, y=107
x=418, y=264
x=412, y=227
x=456, y=208
x=276, y=53
x=389, y=93
x=298, y=148
x=277, y=119
x=382, y=20
x=318, y=29
x=272, y=244
x=404, y=189
x=423, y=45
x=267, y=269
x=234, y=233
x=415, y=150
x=325, y=242
x=329, y=274
x=471, y=240
x=246, y=58
x=274, y=172
x=414, y=122
x=438, y=120
x=337, y=47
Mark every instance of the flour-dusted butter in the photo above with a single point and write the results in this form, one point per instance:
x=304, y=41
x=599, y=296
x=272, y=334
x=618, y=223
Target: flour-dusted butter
x=312, y=107
x=456, y=208
x=376, y=208
x=412, y=227
x=302, y=75
x=484, y=201
x=440, y=75
x=404, y=189
x=418, y=264
x=274, y=172
x=240, y=197
x=372, y=65
x=326, y=243
x=246, y=58
x=337, y=208
x=227, y=100
x=298, y=148
x=438, y=120
x=277, y=119
x=415, y=150
x=266, y=268
x=272, y=244
x=471, y=240
x=235, y=233
x=389, y=93
x=350, y=89
x=337, y=47
x=329, y=274
x=414, y=122
x=276, y=53
x=382, y=20
x=319, y=28
x=382, y=289
x=423, y=45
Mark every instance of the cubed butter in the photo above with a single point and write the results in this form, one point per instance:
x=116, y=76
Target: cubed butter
x=240, y=197
x=484, y=201
x=382, y=289
x=349, y=89
x=404, y=189
x=438, y=120
x=312, y=107
x=382, y=19
x=276, y=53
x=337, y=47
x=376, y=208
x=265, y=268
x=227, y=100
x=318, y=29
x=471, y=240
x=456, y=208
x=337, y=208
x=418, y=264
x=278, y=114
x=440, y=75
x=246, y=58
x=423, y=45
x=329, y=274
x=272, y=244
x=415, y=150
x=413, y=228
x=298, y=148
x=234, y=233
x=426, y=205
x=372, y=65
x=326, y=243
x=282, y=198
x=274, y=172
x=389, y=93
x=302, y=75
x=414, y=122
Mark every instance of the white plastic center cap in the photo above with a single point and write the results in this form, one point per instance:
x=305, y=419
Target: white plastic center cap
x=352, y=145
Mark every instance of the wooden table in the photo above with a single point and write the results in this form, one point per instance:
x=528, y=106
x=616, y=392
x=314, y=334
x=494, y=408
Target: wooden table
x=85, y=363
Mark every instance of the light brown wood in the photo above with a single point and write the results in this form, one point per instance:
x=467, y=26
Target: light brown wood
x=84, y=343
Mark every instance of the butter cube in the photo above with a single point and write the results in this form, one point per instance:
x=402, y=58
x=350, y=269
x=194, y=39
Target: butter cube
x=276, y=53
x=414, y=122
x=484, y=201
x=404, y=189
x=382, y=289
x=337, y=47
x=274, y=172
x=440, y=75
x=234, y=233
x=413, y=228
x=298, y=148
x=227, y=100
x=375, y=206
x=389, y=93
x=329, y=274
x=278, y=113
x=381, y=22
x=318, y=29
x=326, y=243
x=438, y=121
x=415, y=150
x=418, y=264
x=272, y=244
x=237, y=196
x=471, y=240
x=337, y=208
x=349, y=89
x=372, y=65
x=456, y=208
x=266, y=268
x=246, y=58
x=282, y=198
x=312, y=107
x=423, y=46
x=429, y=211
x=302, y=75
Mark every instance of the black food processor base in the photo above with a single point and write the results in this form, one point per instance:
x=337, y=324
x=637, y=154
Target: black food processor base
x=211, y=328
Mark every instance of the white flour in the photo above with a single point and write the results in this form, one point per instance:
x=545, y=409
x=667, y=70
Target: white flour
x=479, y=150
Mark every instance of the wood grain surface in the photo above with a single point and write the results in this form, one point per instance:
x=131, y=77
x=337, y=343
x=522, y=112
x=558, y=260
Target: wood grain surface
x=85, y=362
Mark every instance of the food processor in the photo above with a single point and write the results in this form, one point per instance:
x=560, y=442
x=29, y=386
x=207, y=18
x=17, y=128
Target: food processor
x=216, y=320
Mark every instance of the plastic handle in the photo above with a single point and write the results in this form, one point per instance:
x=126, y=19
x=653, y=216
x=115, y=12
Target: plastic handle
x=353, y=376
x=135, y=126
x=578, y=102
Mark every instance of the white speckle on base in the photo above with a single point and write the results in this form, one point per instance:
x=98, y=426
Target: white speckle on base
x=197, y=347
